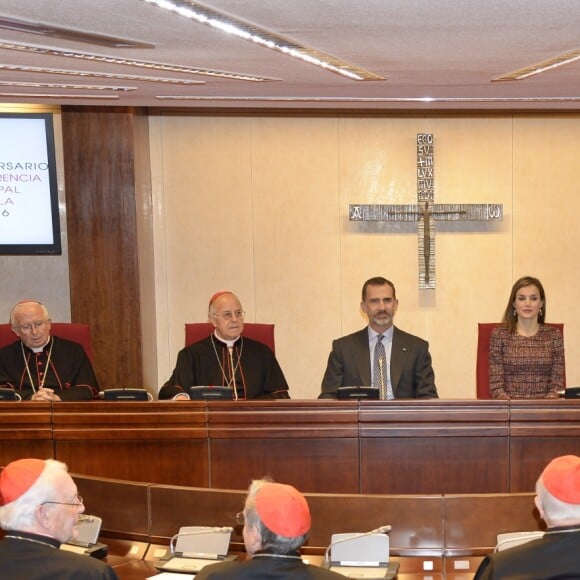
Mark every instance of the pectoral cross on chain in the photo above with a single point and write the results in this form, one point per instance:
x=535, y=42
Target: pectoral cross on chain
x=426, y=212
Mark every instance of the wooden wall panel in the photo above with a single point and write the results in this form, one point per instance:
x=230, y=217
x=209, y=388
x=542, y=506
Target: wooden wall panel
x=99, y=149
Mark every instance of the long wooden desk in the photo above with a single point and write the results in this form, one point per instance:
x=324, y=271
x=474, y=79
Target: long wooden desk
x=372, y=447
x=433, y=536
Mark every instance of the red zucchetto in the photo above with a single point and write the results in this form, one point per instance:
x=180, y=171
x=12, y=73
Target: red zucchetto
x=283, y=510
x=217, y=295
x=561, y=478
x=18, y=477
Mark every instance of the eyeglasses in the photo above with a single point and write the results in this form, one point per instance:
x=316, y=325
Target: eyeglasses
x=240, y=518
x=77, y=501
x=36, y=325
x=229, y=315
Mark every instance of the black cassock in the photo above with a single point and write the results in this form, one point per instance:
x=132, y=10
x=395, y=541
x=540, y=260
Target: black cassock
x=64, y=363
x=209, y=363
x=555, y=556
x=34, y=557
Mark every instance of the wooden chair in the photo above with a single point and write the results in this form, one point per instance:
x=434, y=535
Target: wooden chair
x=74, y=331
x=484, y=330
x=264, y=333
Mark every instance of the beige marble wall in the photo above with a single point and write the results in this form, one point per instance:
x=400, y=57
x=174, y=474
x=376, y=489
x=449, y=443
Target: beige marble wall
x=259, y=205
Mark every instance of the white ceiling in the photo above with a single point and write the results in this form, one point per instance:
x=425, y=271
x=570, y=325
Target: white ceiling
x=444, y=50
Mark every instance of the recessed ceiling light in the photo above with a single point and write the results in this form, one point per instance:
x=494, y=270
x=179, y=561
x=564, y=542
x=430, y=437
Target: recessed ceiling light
x=69, y=33
x=133, y=63
x=59, y=96
x=373, y=99
x=540, y=67
x=66, y=86
x=98, y=75
x=246, y=31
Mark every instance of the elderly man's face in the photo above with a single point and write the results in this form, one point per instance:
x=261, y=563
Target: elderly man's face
x=31, y=325
x=63, y=510
x=227, y=316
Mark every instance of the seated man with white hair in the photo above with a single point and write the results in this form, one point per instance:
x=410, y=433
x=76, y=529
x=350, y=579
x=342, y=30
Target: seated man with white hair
x=227, y=358
x=43, y=367
x=39, y=510
x=557, y=553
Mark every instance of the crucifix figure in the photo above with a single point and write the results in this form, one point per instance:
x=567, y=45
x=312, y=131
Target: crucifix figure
x=425, y=211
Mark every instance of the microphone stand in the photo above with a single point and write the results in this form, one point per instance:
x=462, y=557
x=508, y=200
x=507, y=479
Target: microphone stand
x=226, y=530
x=382, y=530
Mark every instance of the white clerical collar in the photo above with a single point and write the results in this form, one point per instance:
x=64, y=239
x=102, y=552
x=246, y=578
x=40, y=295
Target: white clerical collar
x=40, y=348
x=228, y=343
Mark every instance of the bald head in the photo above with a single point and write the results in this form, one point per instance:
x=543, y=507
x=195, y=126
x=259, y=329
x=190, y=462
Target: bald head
x=226, y=315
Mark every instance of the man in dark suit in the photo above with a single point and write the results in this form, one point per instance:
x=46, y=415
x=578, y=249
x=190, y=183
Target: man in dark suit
x=380, y=355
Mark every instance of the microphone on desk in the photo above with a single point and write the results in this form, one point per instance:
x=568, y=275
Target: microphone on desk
x=381, y=530
x=233, y=383
x=216, y=530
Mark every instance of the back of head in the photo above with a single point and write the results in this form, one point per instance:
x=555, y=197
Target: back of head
x=558, y=490
x=281, y=513
x=24, y=485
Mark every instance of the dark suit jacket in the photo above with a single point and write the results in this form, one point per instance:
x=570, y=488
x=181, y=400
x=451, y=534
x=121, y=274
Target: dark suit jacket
x=411, y=371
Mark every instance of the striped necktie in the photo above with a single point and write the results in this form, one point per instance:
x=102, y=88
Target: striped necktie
x=379, y=370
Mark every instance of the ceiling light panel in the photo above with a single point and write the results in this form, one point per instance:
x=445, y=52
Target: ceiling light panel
x=58, y=96
x=66, y=86
x=98, y=75
x=10, y=23
x=540, y=67
x=246, y=31
x=131, y=62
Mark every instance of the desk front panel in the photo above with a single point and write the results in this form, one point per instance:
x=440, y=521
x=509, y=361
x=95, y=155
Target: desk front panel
x=312, y=445
x=539, y=431
x=433, y=446
x=25, y=430
x=138, y=441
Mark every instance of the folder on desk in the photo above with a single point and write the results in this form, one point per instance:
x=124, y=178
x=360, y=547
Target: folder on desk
x=366, y=556
x=195, y=548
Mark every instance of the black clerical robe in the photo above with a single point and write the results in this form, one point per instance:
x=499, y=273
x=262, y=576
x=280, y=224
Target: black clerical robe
x=267, y=567
x=64, y=363
x=556, y=556
x=33, y=557
x=208, y=363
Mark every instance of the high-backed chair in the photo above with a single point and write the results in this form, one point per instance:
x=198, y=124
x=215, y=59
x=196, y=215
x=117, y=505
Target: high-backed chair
x=74, y=331
x=264, y=333
x=484, y=330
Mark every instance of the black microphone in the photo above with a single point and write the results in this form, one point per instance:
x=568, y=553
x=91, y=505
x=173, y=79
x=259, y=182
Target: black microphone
x=226, y=530
x=382, y=530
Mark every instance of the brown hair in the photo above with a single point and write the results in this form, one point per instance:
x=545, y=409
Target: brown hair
x=509, y=316
x=377, y=281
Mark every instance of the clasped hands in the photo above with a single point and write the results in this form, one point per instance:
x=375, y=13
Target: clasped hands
x=44, y=394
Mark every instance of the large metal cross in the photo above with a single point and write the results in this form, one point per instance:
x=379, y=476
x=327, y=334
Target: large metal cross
x=425, y=211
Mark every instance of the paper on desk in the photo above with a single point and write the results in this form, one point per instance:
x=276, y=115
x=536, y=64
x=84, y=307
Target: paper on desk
x=171, y=576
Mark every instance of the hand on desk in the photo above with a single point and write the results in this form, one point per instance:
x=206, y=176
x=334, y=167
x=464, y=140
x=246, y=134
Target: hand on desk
x=45, y=395
x=181, y=397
